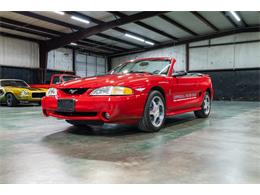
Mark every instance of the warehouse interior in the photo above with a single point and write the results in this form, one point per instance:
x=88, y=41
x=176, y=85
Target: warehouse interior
x=221, y=149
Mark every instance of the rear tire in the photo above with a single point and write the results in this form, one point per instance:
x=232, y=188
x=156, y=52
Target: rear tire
x=205, y=107
x=154, y=113
x=11, y=101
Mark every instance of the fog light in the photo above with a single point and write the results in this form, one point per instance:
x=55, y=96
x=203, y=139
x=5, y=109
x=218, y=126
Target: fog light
x=107, y=115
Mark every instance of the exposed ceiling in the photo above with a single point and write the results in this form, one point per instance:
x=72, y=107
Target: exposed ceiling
x=153, y=30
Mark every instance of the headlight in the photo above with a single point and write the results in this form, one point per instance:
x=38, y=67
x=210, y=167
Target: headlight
x=24, y=93
x=112, y=90
x=51, y=92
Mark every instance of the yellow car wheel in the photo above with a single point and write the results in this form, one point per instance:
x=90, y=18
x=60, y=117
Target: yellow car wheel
x=11, y=100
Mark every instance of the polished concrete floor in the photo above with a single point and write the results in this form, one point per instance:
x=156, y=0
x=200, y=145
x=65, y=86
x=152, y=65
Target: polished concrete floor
x=224, y=148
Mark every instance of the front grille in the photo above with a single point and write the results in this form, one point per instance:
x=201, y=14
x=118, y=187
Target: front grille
x=74, y=91
x=38, y=95
x=76, y=113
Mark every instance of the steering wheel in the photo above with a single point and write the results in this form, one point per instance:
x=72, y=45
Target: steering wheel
x=156, y=71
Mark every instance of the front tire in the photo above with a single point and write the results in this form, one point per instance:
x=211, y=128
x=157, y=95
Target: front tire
x=205, y=107
x=11, y=100
x=154, y=113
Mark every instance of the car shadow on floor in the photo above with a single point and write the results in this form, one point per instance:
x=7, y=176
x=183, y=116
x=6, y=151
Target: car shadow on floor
x=117, y=142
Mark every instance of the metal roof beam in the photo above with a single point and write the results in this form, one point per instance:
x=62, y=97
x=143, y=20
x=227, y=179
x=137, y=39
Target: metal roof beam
x=25, y=30
x=29, y=26
x=20, y=37
x=47, y=19
x=118, y=40
x=205, y=21
x=121, y=30
x=57, y=22
x=104, y=45
x=144, y=25
x=242, y=19
x=229, y=19
x=175, y=23
x=83, y=33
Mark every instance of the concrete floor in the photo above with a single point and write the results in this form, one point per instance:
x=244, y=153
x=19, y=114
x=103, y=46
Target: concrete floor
x=224, y=148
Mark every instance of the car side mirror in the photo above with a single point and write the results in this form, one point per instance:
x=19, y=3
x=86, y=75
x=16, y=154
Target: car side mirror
x=179, y=73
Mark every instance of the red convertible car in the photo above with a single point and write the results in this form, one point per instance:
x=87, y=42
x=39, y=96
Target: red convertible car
x=141, y=91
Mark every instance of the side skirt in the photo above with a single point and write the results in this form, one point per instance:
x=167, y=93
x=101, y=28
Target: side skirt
x=182, y=111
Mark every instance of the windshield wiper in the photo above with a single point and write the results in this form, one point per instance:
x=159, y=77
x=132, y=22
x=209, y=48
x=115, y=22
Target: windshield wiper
x=140, y=72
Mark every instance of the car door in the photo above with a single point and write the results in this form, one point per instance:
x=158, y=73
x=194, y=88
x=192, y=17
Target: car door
x=185, y=91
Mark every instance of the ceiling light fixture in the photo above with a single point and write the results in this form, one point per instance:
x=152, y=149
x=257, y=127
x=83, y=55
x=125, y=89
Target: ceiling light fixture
x=139, y=39
x=149, y=43
x=59, y=12
x=134, y=37
x=79, y=19
x=73, y=44
x=235, y=16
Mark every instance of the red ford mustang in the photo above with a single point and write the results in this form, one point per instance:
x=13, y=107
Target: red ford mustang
x=141, y=91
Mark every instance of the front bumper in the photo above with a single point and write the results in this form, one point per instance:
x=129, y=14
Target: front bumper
x=122, y=109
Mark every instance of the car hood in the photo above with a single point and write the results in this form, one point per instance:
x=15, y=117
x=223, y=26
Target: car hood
x=23, y=89
x=127, y=80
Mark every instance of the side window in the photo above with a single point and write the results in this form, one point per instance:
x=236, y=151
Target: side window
x=56, y=80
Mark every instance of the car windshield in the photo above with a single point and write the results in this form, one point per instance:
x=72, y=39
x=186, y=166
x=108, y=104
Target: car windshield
x=68, y=78
x=13, y=83
x=144, y=66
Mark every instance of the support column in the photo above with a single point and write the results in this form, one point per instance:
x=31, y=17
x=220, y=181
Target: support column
x=187, y=57
x=43, y=62
x=109, y=64
x=73, y=61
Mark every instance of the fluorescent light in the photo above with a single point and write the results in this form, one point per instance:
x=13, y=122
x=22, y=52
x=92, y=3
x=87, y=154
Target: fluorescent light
x=139, y=39
x=73, y=44
x=58, y=12
x=79, y=19
x=149, y=43
x=134, y=37
x=235, y=16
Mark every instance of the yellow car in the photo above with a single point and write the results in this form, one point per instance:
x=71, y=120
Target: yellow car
x=15, y=91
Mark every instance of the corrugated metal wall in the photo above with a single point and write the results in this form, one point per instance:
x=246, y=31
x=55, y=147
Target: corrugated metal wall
x=60, y=59
x=18, y=53
x=87, y=65
x=233, y=56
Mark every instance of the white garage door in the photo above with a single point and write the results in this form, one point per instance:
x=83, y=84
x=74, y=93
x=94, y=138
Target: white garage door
x=91, y=66
x=101, y=66
x=81, y=65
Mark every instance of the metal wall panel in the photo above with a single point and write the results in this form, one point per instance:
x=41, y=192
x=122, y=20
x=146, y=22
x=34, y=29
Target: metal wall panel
x=247, y=55
x=18, y=53
x=101, y=66
x=60, y=59
x=233, y=56
x=198, y=58
x=81, y=64
x=91, y=66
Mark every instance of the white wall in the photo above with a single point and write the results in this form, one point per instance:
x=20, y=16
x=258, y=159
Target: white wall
x=18, y=53
x=60, y=59
x=81, y=64
x=177, y=52
x=233, y=56
x=87, y=65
